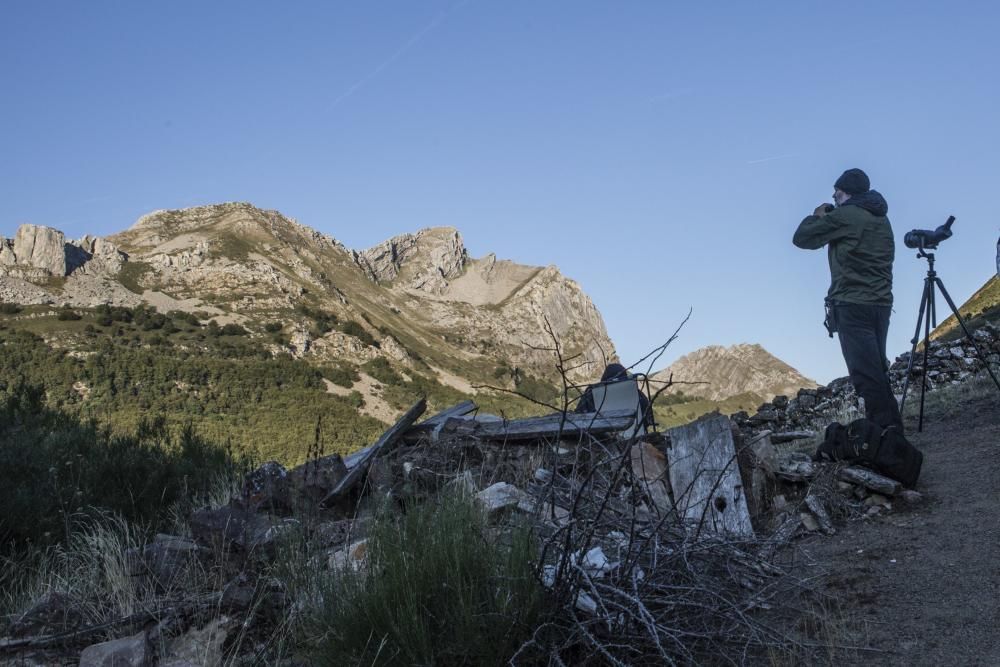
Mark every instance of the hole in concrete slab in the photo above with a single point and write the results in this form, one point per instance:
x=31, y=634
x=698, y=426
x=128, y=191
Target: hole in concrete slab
x=720, y=503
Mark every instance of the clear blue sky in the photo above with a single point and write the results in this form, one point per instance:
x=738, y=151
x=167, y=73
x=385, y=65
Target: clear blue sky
x=660, y=153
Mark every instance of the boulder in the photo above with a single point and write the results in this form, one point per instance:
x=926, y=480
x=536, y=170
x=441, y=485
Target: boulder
x=267, y=488
x=501, y=497
x=126, y=652
x=168, y=556
x=199, y=646
x=233, y=525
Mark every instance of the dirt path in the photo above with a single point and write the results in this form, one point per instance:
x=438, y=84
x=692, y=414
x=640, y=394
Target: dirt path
x=923, y=584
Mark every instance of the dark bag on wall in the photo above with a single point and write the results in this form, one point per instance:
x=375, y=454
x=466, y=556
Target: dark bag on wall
x=887, y=451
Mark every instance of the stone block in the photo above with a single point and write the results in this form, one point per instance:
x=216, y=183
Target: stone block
x=126, y=652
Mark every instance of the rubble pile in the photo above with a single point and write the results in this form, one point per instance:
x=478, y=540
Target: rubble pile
x=801, y=495
x=648, y=543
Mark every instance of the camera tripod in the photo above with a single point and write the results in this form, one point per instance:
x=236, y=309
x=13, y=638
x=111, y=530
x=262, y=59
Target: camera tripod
x=928, y=318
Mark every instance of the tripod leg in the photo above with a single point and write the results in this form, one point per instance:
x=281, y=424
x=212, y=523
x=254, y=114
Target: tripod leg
x=927, y=348
x=933, y=308
x=914, y=341
x=965, y=330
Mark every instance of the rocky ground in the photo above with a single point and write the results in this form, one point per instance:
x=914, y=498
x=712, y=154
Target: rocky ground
x=921, y=585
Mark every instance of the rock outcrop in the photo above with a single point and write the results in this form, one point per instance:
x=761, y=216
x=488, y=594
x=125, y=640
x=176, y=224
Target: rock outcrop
x=100, y=255
x=7, y=257
x=426, y=260
x=40, y=247
x=37, y=252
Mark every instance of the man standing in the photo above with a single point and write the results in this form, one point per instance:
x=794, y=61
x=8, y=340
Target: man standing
x=861, y=249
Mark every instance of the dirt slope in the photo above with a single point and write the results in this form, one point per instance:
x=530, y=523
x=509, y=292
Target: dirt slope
x=924, y=584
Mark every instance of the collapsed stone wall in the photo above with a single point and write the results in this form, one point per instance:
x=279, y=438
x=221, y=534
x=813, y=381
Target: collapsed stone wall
x=808, y=413
x=951, y=362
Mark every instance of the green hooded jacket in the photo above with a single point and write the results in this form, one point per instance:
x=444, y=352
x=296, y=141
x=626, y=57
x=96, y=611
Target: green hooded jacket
x=861, y=249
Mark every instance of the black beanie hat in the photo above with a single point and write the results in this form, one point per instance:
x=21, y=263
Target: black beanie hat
x=614, y=372
x=853, y=182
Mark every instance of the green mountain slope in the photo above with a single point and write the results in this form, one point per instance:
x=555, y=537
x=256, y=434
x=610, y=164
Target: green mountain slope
x=119, y=367
x=981, y=308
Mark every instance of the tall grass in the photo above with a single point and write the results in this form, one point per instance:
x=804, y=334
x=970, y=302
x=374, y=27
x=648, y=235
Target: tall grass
x=945, y=399
x=439, y=587
x=91, y=566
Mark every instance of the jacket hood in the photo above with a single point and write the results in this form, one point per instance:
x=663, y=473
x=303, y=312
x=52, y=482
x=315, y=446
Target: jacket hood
x=872, y=201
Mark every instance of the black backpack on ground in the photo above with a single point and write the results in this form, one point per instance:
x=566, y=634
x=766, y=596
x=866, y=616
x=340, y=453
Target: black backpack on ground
x=887, y=451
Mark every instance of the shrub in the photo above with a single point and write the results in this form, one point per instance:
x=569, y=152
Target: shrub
x=67, y=315
x=536, y=389
x=9, y=308
x=447, y=591
x=131, y=275
x=345, y=377
x=113, y=314
x=352, y=328
x=381, y=370
x=356, y=400
x=54, y=467
x=325, y=321
x=233, y=330
x=273, y=327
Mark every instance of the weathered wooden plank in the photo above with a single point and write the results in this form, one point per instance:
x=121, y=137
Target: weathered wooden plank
x=463, y=408
x=361, y=460
x=649, y=468
x=567, y=425
x=705, y=478
x=871, y=480
x=430, y=426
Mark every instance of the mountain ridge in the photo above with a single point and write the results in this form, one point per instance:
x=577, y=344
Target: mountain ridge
x=717, y=373
x=416, y=299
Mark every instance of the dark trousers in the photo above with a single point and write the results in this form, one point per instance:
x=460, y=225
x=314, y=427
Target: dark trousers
x=862, y=331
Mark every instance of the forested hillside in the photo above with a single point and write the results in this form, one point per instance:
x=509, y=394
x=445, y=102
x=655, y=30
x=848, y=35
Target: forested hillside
x=121, y=366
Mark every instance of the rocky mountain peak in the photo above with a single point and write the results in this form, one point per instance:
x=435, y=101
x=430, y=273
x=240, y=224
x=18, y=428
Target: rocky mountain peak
x=738, y=369
x=425, y=261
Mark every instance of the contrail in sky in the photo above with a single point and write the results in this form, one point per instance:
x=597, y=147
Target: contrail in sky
x=397, y=54
x=776, y=157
